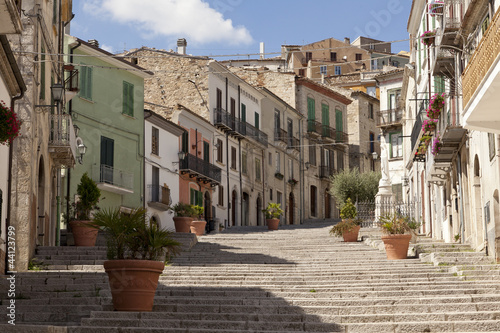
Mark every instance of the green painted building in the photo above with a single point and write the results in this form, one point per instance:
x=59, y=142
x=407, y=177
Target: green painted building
x=107, y=107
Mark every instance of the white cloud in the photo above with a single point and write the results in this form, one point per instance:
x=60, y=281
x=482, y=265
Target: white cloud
x=107, y=48
x=191, y=19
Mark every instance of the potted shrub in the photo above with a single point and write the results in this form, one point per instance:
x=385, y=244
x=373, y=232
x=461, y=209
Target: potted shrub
x=199, y=224
x=273, y=213
x=136, y=252
x=428, y=38
x=88, y=193
x=429, y=125
x=397, y=230
x=10, y=124
x=349, y=227
x=184, y=214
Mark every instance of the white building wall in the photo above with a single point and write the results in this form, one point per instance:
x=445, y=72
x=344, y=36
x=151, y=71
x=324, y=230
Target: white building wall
x=4, y=167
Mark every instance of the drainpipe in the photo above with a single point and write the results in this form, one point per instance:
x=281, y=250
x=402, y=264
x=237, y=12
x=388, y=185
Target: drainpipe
x=227, y=166
x=301, y=173
x=239, y=158
x=263, y=185
x=460, y=194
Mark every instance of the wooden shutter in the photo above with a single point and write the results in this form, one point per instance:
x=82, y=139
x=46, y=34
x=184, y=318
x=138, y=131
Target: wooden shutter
x=311, y=112
x=206, y=151
x=128, y=98
x=339, y=123
x=185, y=142
x=257, y=120
x=243, y=112
x=325, y=115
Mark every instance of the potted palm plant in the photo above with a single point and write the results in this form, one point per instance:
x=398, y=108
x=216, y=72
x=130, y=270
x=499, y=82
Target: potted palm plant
x=349, y=227
x=397, y=230
x=137, y=250
x=198, y=225
x=184, y=214
x=88, y=193
x=273, y=213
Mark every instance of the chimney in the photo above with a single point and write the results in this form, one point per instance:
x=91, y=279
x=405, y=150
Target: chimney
x=181, y=46
x=262, y=51
x=347, y=40
x=93, y=42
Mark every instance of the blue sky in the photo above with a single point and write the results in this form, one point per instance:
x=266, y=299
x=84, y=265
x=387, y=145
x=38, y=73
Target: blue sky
x=228, y=27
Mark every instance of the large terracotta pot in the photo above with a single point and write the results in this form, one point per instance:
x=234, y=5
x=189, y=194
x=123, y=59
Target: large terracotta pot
x=83, y=234
x=351, y=236
x=133, y=283
x=182, y=224
x=272, y=224
x=396, y=246
x=198, y=227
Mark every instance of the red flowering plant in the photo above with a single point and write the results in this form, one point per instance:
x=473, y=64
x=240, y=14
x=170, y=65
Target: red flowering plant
x=428, y=37
x=10, y=124
x=425, y=140
x=436, y=7
x=435, y=106
x=436, y=145
x=429, y=125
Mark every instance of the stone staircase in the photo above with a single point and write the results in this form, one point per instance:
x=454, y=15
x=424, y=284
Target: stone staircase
x=296, y=279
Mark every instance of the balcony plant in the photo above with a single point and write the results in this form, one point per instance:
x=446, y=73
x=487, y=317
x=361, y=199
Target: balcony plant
x=279, y=175
x=397, y=230
x=436, y=7
x=10, y=124
x=184, y=214
x=428, y=37
x=425, y=140
x=273, y=213
x=349, y=227
x=429, y=125
x=88, y=193
x=436, y=145
x=198, y=224
x=292, y=181
x=437, y=102
x=136, y=252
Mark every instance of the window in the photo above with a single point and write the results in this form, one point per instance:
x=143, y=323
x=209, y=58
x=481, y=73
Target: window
x=312, y=202
x=271, y=194
x=279, y=198
x=325, y=115
x=107, y=159
x=86, y=82
x=278, y=160
x=277, y=124
x=395, y=63
x=339, y=125
x=340, y=161
x=290, y=168
x=439, y=84
x=233, y=107
x=370, y=111
x=257, y=120
x=338, y=70
x=128, y=99
x=155, y=182
x=257, y=170
x=290, y=131
x=206, y=151
x=359, y=56
x=270, y=158
x=233, y=158
x=372, y=142
x=309, y=56
x=333, y=56
x=312, y=154
x=185, y=142
x=196, y=197
x=220, y=151
x=491, y=144
x=323, y=70
x=219, y=99
x=374, y=64
x=243, y=112
x=396, y=145
x=54, y=11
x=42, y=74
x=393, y=99
x=302, y=72
x=244, y=163
x=221, y=195
x=311, y=109
x=372, y=91
x=155, y=141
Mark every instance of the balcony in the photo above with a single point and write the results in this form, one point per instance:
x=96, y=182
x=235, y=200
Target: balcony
x=480, y=81
x=112, y=179
x=10, y=17
x=254, y=133
x=236, y=128
x=453, y=12
x=328, y=134
x=444, y=64
x=389, y=118
x=417, y=130
x=293, y=143
x=326, y=172
x=158, y=197
x=62, y=140
x=314, y=128
x=200, y=169
x=71, y=83
x=280, y=137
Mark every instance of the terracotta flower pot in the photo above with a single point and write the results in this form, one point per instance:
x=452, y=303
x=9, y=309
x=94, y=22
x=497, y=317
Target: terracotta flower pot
x=83, y=234
x=133, y=283
x=351, y=236
x=272, y=224
x=198, y=227
x=396, y=246
x=182, y=224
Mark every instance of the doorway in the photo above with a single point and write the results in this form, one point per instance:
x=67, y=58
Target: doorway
x=291, y=208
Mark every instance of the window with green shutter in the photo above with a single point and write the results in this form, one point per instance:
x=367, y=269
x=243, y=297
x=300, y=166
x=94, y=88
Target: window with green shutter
x=243, y=112
x=257, y=120
x=86, y=82
x=206, y=151
x=439, y=84
x=196, y=197
x=325, y=115
x=128, y=99
x=339, y=123
x=311, y=109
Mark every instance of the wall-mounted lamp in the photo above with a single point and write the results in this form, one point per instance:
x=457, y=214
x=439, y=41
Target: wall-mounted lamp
x=77, y=130
x=375, y=155
x=82, y=149
x=181, y=155
x=57, y=91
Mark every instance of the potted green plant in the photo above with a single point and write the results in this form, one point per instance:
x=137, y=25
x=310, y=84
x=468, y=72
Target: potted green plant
x=397, y=230
x=184, y=214
x=10, y=124
x=273, y=213
x=198, y=224
x=136, y=250
x=349, y=227
x=88, y=197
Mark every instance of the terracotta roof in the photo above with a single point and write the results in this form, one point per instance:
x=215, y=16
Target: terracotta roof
x=323, y=89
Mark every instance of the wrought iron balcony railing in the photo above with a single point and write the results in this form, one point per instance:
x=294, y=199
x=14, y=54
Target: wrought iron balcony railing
x=313, y=126
x=293, y=143
x=255, y=134
x=159, y=196
x=200, y=169
x=115, y=179
x=62, y=140
x=392, y=117
x=71, y=83
x=227, y=122
x=326, y=171
x=280, y=135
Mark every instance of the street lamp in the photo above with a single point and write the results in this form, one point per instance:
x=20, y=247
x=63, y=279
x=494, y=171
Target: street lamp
x=82, y=149
x=181, y=155
x=57, y=91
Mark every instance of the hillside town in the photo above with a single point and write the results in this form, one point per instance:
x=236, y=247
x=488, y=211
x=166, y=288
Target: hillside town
x=157, y=129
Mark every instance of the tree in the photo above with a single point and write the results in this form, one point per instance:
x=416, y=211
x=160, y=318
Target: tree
x=354, y=185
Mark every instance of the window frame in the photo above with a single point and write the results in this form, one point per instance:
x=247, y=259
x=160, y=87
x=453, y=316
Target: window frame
x=155, y=141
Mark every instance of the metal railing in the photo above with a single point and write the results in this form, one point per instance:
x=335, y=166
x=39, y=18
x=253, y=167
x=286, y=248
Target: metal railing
x=390, y=117
x=113, y=176
x=328, y=132
x=158, y=193
x=293, y=143
x=201, y=167
x=62, y=138
x=326, y=171
x=313, y=126
x=280, y=135
x=368, y=210
x=417, y=127
x=256, y=134
x=72, y=83
x=482, y=60
x=225, y=119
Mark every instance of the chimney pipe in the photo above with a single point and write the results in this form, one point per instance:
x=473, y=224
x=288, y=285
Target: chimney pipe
x=262, y=51
x=347, y=40
x=93, y=42
x=181, y=46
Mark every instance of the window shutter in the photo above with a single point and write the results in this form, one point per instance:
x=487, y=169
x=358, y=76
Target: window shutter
x=192, y=196
x=325, y=115
x=89, y=83
x=206, y=151
x=257, y=120
x=243, y=112
x=311, y=109
x=185, y=138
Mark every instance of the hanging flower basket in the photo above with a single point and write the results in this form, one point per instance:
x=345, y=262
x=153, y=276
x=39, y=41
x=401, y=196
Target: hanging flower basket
x=279, y=175
x=437, y=101
x=10, y=124
x=428, y=37
x=422, y=149
x=426, y=140
x=436, y=7
x=436, y=145
x=292, y=181
x=429, y=125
